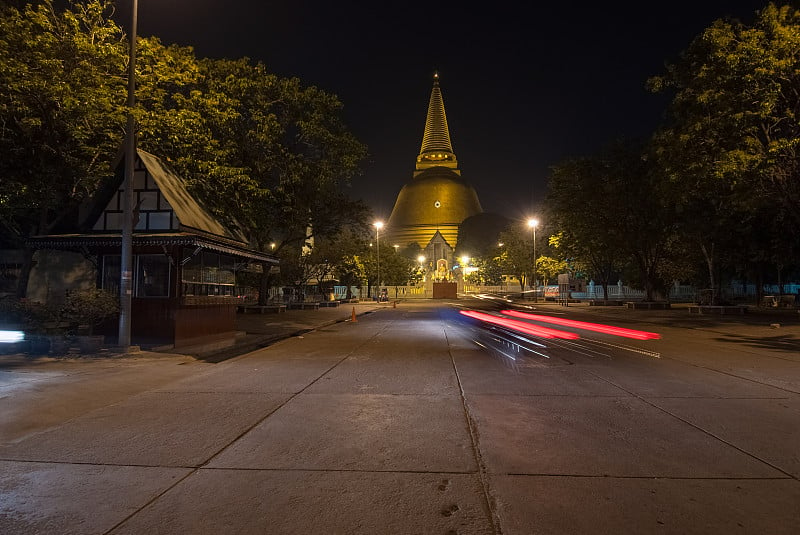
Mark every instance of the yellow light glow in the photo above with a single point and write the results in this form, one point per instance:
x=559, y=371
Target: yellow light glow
x=421, y=259
x=378, y=224
x=533, y=223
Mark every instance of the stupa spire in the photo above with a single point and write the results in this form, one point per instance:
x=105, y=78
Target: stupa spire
x=436, y=148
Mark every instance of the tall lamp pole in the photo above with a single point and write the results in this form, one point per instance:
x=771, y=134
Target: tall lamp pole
x=126, y=255
x=378, y=227
x=533, y=223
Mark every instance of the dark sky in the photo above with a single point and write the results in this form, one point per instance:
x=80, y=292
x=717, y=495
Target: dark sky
x=524, y=85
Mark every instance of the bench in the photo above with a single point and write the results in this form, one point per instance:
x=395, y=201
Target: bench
x=261, y=309
x=330, y=304
x=639, y=305
x=303, y=306
x=603, y=303
x=718, y=309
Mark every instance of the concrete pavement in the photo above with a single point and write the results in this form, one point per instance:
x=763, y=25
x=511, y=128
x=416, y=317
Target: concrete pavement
x=401, y=423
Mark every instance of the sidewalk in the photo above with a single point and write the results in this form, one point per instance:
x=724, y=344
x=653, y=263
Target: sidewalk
x=262, y=330
x=400, y=423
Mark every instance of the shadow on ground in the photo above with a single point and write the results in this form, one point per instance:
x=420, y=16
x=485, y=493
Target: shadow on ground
x=786, y=343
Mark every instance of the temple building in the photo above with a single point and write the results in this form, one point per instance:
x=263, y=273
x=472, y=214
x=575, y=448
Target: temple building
x=432, y=205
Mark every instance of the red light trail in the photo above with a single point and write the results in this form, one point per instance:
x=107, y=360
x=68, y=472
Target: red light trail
x=522, y=326
x=597, y=327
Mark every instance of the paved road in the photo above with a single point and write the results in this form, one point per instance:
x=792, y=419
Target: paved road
x=401, y=423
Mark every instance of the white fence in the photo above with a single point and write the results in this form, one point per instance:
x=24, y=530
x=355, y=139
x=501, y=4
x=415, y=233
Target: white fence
x=677, y=292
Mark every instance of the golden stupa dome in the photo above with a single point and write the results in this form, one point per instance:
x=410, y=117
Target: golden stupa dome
x=436, y=198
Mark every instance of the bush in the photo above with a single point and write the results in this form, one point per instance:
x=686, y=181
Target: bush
x=32, y=316
x=88, y=308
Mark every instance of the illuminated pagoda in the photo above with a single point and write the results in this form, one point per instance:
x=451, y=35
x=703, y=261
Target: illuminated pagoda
x=431, y=206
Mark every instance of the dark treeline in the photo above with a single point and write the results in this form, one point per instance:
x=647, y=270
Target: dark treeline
x=714, y=195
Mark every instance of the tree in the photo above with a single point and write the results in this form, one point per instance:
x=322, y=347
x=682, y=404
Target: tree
x=396, y=269
x=288, y=158
x=351, y=272
x=62, y=111
x=548, y=268
x=489, y=272
x=631, y=215
x=591, y=236
x=332, y=256
x=517, y=255
x=269, y=155
x=730, y=144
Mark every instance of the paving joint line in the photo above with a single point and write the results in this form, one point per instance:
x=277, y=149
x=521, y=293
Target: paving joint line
x=202, y=465
x=691, y=424
x=473, y=434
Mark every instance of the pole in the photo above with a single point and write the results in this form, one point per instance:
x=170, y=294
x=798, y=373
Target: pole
x=126, y=254
x=378, y=246
x=535, y=297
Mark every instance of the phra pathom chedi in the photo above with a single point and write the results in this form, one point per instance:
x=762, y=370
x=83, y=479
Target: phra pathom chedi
x=432, y=205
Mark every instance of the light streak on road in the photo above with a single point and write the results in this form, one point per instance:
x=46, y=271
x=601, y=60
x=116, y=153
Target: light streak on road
x=10, y=337
x=521, y=326
x=596, y=327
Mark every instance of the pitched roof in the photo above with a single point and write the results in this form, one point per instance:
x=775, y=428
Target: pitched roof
x=190, y=212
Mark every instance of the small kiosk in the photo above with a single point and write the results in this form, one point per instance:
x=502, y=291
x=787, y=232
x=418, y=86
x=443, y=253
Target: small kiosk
x=184, y=260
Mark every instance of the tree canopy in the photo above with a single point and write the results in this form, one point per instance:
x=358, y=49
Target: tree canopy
x=729, y=145
x=270, y=155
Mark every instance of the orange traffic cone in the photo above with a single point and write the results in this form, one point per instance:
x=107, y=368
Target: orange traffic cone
x=353, y=316
x=394, y=304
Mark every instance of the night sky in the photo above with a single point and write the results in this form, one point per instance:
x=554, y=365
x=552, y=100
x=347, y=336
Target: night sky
x=524, y=86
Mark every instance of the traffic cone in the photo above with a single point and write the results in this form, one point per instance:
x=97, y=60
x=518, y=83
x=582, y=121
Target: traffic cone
x=353, y=316
x=394, y=304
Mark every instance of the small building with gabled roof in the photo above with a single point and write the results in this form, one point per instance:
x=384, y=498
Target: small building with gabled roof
x=184, y=259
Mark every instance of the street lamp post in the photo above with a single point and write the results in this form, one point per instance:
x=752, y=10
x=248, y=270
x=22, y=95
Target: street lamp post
x=378, y=227
x=533, y=223
x=126, y=250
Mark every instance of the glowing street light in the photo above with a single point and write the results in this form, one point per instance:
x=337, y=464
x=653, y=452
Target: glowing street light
x=378, y=227
x=533, y=223
x=421, y=260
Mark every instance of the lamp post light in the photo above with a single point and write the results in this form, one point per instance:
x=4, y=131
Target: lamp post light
x=533, y=223
x=378, y=227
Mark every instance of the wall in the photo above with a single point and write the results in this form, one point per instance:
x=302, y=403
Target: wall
x=55, y=272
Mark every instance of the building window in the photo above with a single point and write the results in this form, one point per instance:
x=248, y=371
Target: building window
x=111, y=275
x=152, y=276
x=206, y=273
